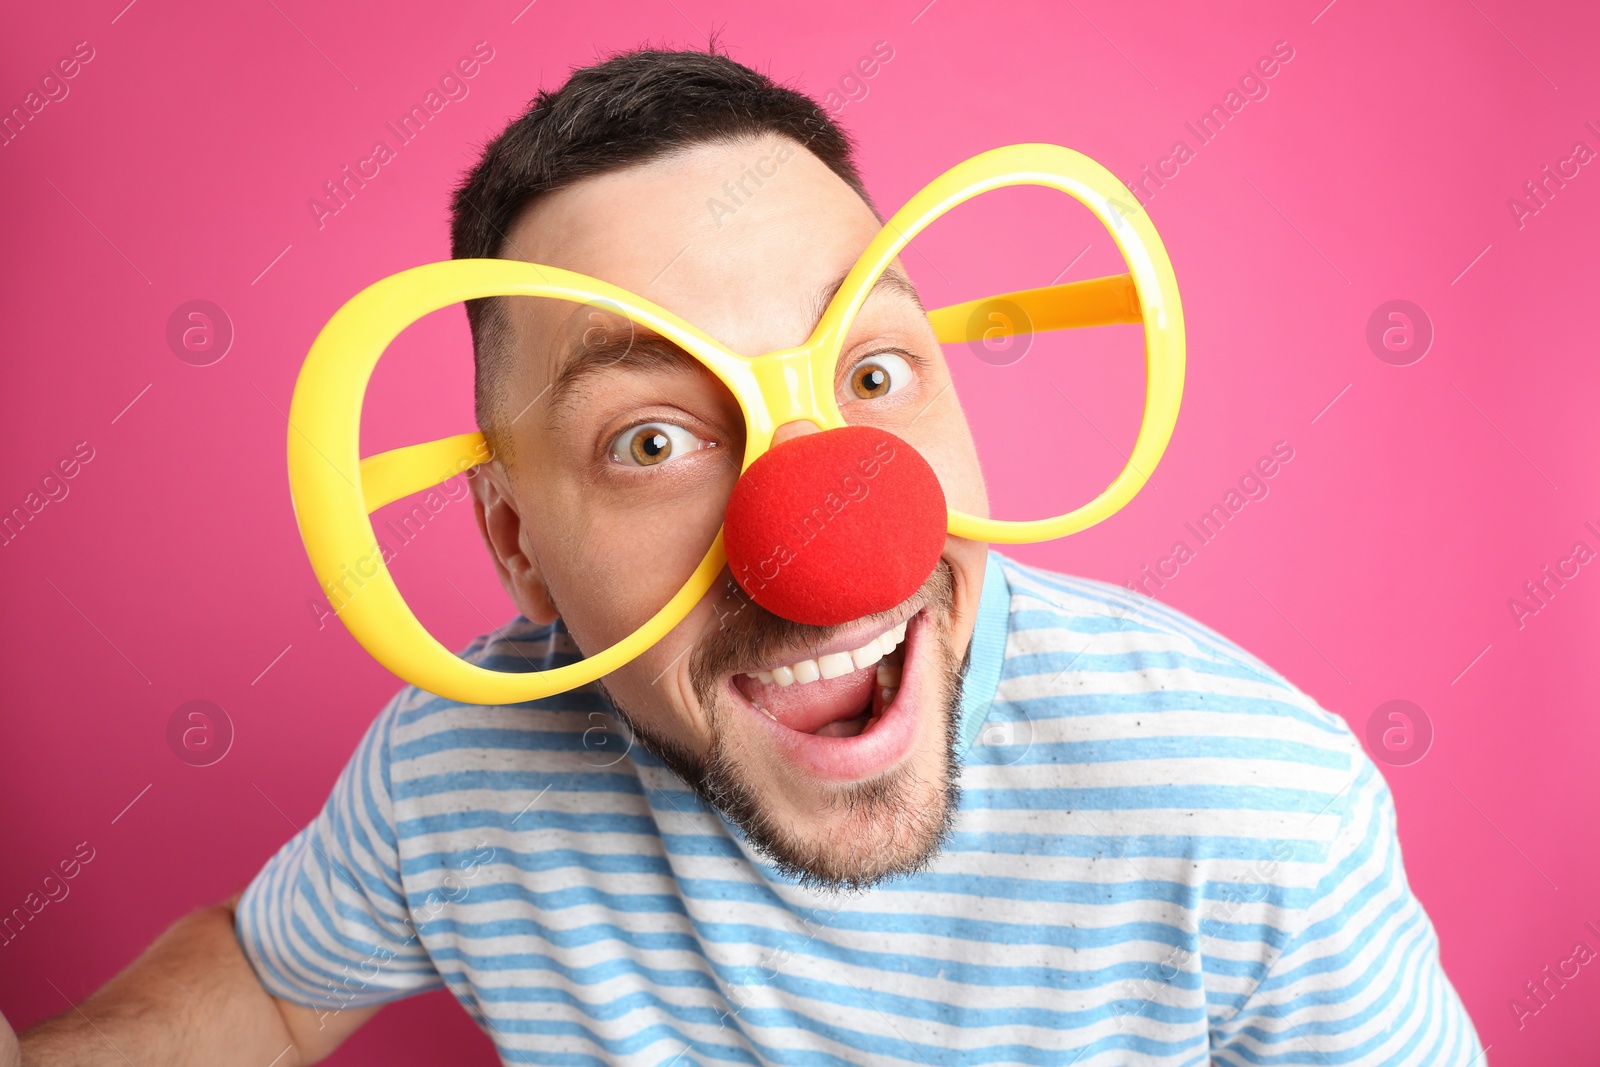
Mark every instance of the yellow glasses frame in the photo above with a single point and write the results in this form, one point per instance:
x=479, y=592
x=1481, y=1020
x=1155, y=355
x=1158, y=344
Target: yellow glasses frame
x=335, y=490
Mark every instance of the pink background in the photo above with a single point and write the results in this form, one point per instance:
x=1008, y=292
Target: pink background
x=1380, y=566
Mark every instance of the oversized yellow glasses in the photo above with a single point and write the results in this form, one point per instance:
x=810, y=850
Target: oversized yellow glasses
x=335, y=490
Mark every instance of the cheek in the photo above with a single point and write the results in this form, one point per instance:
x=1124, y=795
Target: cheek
x=655, y=687
x=613, y=560
x=945, y=441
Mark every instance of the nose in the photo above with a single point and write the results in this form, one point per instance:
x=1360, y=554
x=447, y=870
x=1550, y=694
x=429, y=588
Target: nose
x=830, y=525
x=790, y=430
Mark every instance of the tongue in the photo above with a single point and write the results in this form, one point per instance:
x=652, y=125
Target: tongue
x=809, y=706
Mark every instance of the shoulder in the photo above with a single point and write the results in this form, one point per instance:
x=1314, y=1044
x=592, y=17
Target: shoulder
x=1066, y=628
x=432, y=746
x=1154, y=711
x=1042, y=601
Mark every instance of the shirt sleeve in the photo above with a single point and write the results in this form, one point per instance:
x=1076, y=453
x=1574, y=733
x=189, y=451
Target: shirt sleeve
x=1358, y=982
x=325, y=923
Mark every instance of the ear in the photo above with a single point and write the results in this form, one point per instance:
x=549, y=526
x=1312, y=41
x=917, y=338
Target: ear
x=501, y=525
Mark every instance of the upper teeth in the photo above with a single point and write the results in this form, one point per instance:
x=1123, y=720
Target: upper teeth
x=836, y=664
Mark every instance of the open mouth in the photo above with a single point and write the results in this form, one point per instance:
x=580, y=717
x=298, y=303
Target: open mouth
x=846, y=712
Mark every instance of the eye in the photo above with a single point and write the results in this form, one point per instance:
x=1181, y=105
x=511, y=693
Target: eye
x=654, y=443
x=879, y=375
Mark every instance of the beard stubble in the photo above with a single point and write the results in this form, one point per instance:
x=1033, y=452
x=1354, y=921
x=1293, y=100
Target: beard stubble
x=888, y=826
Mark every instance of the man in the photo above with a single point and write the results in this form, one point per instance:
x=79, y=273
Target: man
x=724, y=852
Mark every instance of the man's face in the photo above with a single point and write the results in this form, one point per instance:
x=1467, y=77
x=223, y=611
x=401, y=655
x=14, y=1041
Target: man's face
x=619, y=456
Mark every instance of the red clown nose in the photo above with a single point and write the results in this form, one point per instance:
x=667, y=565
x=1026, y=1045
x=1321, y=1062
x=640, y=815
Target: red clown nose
x=828, y=527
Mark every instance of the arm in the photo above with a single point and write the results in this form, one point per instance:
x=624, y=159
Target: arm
x=1358, y=981
x=326, y=921
x=190, y=998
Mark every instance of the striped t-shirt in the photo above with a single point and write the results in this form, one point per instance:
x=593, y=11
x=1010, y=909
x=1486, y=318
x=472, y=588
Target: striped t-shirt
x=1164, y=853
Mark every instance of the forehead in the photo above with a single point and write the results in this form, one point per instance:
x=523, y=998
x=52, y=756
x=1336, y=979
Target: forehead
x=735, y=238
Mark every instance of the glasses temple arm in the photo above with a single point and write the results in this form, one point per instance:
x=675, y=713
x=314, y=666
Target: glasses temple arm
x=1094, y=302
x=388, y=476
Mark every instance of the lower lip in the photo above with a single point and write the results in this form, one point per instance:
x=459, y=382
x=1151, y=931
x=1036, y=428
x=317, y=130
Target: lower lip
x=844, y=759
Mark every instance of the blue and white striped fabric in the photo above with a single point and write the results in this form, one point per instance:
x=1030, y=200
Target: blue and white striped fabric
x=1165, y=854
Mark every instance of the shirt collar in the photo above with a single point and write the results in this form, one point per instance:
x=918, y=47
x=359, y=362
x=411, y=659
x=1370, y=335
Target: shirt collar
x=988, y=651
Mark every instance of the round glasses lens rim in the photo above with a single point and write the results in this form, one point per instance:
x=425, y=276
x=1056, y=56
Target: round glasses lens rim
x=1155, y=333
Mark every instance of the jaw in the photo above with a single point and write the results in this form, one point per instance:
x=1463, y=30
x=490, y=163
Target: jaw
x=876, y=764
x=864, y=790
x=848, y=809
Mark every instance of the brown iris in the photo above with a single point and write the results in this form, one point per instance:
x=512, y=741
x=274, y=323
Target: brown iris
x=870, y=381
x=650, y=446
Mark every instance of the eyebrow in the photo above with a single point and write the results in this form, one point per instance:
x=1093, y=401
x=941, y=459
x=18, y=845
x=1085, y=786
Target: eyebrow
x=645, y=350
x=893, y=279
x=649, y=351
